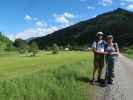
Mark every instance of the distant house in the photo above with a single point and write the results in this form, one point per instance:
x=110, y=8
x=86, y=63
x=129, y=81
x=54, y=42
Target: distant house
x=66, y=49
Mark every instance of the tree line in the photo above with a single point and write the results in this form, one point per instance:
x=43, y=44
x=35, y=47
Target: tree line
x=23, y=46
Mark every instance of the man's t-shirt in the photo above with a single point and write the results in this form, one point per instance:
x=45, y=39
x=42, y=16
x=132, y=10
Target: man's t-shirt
x=99, y=46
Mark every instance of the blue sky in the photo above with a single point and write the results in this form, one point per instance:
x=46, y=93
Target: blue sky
x=32, y=18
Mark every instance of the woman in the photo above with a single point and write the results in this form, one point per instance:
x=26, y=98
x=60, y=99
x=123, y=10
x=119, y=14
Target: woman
x=112, y=51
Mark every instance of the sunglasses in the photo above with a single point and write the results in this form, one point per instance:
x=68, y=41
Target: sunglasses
x=99, y=35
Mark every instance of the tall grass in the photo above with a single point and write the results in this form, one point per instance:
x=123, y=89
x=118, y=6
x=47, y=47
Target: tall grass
x=65, y=82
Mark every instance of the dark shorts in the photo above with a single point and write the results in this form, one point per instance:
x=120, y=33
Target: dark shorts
x=99, y=61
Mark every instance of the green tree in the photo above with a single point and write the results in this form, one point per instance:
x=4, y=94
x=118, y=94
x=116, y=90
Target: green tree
x=21, y=45
x=9, y=47
x=34, y=49
x=4, y=42
x=61, y=48
x=55, y=49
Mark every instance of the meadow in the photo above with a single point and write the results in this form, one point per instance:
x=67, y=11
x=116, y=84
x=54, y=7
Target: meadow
x=129, y=55
x=128, y=52
x=47, y=76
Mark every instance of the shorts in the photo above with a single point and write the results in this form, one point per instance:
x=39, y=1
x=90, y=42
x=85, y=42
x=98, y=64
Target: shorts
x=99, y=61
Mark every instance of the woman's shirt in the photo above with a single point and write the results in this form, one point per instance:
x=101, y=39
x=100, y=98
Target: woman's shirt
x=112, y=50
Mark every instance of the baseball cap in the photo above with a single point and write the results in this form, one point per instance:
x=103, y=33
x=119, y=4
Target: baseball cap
x=99, y=33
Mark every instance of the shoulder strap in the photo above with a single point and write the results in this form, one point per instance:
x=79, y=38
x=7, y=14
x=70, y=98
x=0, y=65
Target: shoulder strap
x=96, y=44
x=115, y=46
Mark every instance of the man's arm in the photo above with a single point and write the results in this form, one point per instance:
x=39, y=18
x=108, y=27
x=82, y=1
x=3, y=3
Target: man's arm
x=94, y=47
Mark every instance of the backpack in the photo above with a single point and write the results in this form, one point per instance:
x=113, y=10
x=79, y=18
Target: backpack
x=115, y=46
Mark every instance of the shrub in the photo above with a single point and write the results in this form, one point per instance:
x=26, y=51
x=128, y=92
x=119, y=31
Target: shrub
x=55, y=49
x=33, y=48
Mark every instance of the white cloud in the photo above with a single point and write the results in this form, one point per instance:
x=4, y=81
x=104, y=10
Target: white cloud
x=10, y=36
x=127, y=3
x=106, y=2
x=91, y=8
x=40, y=24
x=93, y=16
x=130, y=7
x=36, y=32
x=41, y=28
x=122, y=3
x=63, y=18
x=28, y=17
x=68, y=15
x=127, y=0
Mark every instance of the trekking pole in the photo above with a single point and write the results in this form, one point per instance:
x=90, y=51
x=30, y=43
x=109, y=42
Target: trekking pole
x=106, y=75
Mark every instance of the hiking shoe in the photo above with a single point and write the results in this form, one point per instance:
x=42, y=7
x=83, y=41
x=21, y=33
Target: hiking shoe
x=110, y=82
x=113, y=75
x=92, y=82
x=98, y=80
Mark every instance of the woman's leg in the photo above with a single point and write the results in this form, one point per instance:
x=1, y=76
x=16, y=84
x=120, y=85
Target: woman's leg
x=109, y=73
x=110, y=70
x=113, y=65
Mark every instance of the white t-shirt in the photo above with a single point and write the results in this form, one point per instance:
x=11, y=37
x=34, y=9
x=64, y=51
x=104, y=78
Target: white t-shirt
x=99, y=46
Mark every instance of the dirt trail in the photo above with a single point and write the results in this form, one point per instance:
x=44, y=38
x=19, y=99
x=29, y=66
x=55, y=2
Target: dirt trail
x=123, y=82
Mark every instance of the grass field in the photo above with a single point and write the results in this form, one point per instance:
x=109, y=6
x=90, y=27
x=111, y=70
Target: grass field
x=129, y=55
x=45, y=77
x=128, y=52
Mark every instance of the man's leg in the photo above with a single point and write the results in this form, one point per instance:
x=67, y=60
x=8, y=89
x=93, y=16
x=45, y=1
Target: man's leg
x=99, y=74
x=101, y=65
x=94, y=70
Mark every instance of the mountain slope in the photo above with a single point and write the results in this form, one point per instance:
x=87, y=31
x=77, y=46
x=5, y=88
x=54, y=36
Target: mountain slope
x=118, y=22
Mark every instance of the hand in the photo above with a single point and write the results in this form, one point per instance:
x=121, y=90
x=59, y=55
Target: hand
x=115, y=53
x=102, y=53
x=105, y=53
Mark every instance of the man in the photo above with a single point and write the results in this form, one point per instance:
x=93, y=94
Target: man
x=98, y=47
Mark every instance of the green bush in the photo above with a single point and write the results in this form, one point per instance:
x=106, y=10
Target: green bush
x=55, y=49
x=33, y=48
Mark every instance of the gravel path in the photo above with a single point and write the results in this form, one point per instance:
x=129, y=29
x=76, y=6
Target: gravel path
x=123, y=82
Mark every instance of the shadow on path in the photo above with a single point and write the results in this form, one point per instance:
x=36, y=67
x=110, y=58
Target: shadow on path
x=83, y=79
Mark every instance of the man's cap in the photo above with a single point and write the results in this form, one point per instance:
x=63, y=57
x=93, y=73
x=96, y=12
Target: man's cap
x=99, y=33
x=109, y=36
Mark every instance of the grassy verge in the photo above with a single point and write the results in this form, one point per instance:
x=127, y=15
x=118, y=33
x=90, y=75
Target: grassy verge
x=46, y=77
x=128, y=52
x=129, y=55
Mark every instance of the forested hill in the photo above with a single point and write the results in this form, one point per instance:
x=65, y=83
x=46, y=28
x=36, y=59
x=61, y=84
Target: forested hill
x=118, y=22
x=4, y=42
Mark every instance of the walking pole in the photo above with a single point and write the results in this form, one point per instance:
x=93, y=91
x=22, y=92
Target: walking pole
x=106, y=75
